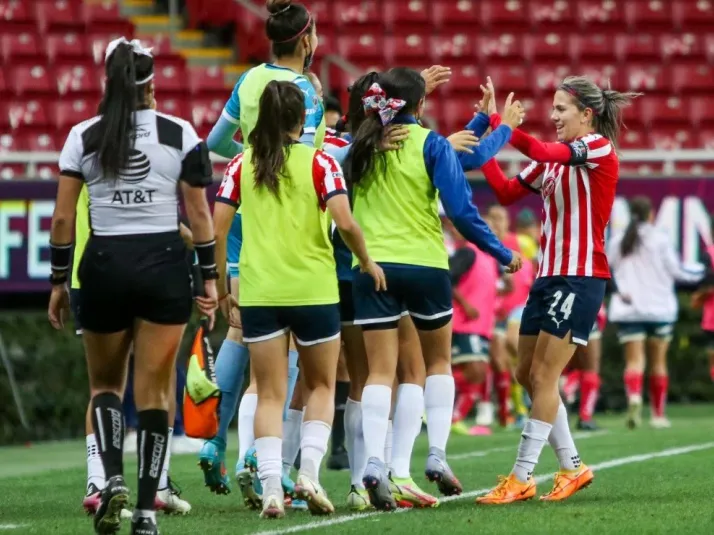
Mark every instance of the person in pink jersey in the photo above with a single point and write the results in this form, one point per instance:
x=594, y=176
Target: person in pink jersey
x=475, y=277
x=704, y=298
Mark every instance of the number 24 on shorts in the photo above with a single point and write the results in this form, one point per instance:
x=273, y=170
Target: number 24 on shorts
x=566, y=306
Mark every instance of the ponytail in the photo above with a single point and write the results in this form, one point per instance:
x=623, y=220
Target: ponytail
x=606, y=104
x=281, y=112
x=364, y=151
x=113, y=139
x=640, y=210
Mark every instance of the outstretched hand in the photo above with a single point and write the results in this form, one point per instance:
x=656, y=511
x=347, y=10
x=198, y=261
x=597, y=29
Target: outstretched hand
x=435, y=76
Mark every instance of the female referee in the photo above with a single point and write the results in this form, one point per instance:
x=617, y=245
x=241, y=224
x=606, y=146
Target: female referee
x=284, y=182
x=292, y=31
x=577, y=178
x=395, y=202
x=134, y=260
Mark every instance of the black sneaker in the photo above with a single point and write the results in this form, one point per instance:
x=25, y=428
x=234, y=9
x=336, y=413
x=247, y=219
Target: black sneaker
x=144, y=526
x=338, y=460
x=114, y=498
x=588, y=425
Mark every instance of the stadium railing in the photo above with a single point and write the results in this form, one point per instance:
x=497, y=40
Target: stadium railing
x=513, y=159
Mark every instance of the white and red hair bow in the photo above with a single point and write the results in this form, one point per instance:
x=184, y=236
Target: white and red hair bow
x=375, y=101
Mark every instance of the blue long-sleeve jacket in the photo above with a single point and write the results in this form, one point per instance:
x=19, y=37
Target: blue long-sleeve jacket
x=488, y=147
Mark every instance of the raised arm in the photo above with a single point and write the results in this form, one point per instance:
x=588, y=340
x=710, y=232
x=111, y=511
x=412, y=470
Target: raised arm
x=509, y=191
x=455, y=194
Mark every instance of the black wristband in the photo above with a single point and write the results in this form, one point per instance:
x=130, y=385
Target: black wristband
x=60, y=255
x=206, y=254
x=58, y=280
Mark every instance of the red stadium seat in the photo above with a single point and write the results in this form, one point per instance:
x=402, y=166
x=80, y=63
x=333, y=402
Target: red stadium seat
x=695, y=78
x=350, y=15
x=27, y=113
x=31, y=79
x=546, y=79
x=554, y=14
x=506, y=79
x=323, y=12
x=646, y=77
x=637, y=47
x=68, y=113
x=366, y=47
x=663, y=138
x=9, y=141
x=178, y=107
x=632, y=139
x=451, y=16
x=406, y=16
x=401, y=50
x=98, y=12
x=65, y=46
x=664, y=109
x=12, y=171
x=77, y=78
x=97, y=44
x=678, y=47
x=605, y=15
x=601, y=73
x=551, y=46
x=16, y=17
x=3, y=84
x=650, y=13
x=59, y=14
x=40, y=141
x=457, y=112
x=204, y=80
x=701, y=111
x=466, y=79
x=205, y=112
x=170, y=78
x=512, y=14
x=592, y=46
x=20, y=46
x=48, y=171
x=452, y=49
x=706, y=139
x=500, y=50
x=694, y=13
x=160, y=43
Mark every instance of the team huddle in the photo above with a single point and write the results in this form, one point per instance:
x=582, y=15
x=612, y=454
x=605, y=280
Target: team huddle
x=358, y=242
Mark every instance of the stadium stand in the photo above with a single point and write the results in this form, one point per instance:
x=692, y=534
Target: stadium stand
x=51, y=54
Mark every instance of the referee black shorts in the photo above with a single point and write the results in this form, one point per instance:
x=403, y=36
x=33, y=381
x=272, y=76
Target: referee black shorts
x=124, y=278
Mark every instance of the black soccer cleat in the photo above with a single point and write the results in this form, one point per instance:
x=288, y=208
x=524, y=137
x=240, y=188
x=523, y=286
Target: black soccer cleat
x=114, y=498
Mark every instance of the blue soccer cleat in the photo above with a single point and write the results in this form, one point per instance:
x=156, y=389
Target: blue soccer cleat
x=211, y=459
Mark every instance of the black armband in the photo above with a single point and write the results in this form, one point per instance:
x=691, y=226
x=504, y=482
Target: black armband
x=58, y=280
x=578, y=153
x=60, y=256
x=196, y=168
x=206, y=253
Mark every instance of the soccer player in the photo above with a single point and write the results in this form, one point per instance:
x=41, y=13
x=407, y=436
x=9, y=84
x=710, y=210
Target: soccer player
x=292, y=30
x=645, y=268
x=576, y=177
x=704, y=298
x=395, y=201
x=136, y=286
x=282, y=181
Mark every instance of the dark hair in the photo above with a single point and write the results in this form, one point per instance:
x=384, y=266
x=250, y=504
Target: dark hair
x=606, y=104
x=286, y=24
x=402, y=83
x=281, y=111
x=113, y=139
x=355, y=109
x=332, y=103
x=640, y=210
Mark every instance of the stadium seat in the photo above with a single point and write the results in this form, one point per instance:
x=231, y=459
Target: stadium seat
x=366, y=47
x=508, y=15
x=664, y=109
x=550, y=46
x=400, y=50
x=206, y=111
x=11, y=171
x=40, y=141
x=650, y=13
x=664, y=138
x=97, y=44
x=503, y=49
x=646, y=77
x=466, y=79
x=679, y=47
x=207, y=80
x=16, y=17
x=31, y=79
x=179, y=107
x=65, y=47
x=547, y=78
x=59, y=15
x=601, y=15
x=160, y=43
x=323, y=12
x=17, y=47
x=80, y=77
x=552, y=14
x=637, y=47
x=632, y=139
x=68, y=112
x=592, y=46
x=9, y=141
x=694, y=13
x=406, y=16
x=701, y=111
x=453, y=49
x=352, y=17
x=170, y=78
x=460, y=16
x=693, y=78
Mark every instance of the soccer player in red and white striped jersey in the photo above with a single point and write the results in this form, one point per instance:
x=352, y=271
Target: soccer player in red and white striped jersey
x=576, y=177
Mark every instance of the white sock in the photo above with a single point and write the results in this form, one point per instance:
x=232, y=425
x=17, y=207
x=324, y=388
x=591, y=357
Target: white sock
x=439, y=393
x=270, y=464
x=95, y=468
x=246, y=419
x=164, y=479
x=407, y=424
x=291, y=439
x=376, y=402
x=313, y=447
x=354, y=439
x=388, y=442
x=562, y=442
x=533, y=438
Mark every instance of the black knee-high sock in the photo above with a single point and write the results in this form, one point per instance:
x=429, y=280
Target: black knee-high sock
x=342, y=390
x=108, y=422
x=152, y=438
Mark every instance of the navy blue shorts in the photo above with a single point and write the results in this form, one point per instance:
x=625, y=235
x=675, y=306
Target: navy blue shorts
x=558, y=305
x=423, y=292
x=642, y=330
x=310, y=324
x=469, y=348
x=347, y=304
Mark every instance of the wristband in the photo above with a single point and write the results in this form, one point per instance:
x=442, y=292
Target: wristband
x=60, y=256
x=58, y=280
x=206, y=254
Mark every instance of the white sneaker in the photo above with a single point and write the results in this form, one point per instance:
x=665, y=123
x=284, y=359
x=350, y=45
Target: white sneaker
x=273, y=507
x=169, y=501
x=484, y=414
x=660, y=422
x=182, y=445
x=315, y=496
x=130, y=442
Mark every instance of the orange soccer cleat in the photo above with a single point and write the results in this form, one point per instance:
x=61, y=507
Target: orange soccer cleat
x=568, y=482
x=509, y=490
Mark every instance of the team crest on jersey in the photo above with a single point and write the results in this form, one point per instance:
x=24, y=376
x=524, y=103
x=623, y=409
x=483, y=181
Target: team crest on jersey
x=550, y=180
x=137, y=167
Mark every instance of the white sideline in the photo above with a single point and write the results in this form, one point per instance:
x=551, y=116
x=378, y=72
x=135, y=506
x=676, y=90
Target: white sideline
x=613, y=463
x=11, y=526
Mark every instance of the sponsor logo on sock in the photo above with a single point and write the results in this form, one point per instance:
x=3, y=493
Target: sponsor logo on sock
x=156, y=453
x=116, y=418
x=576, y=461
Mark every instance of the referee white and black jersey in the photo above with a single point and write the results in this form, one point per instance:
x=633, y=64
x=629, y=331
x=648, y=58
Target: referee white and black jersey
x=135, y=283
